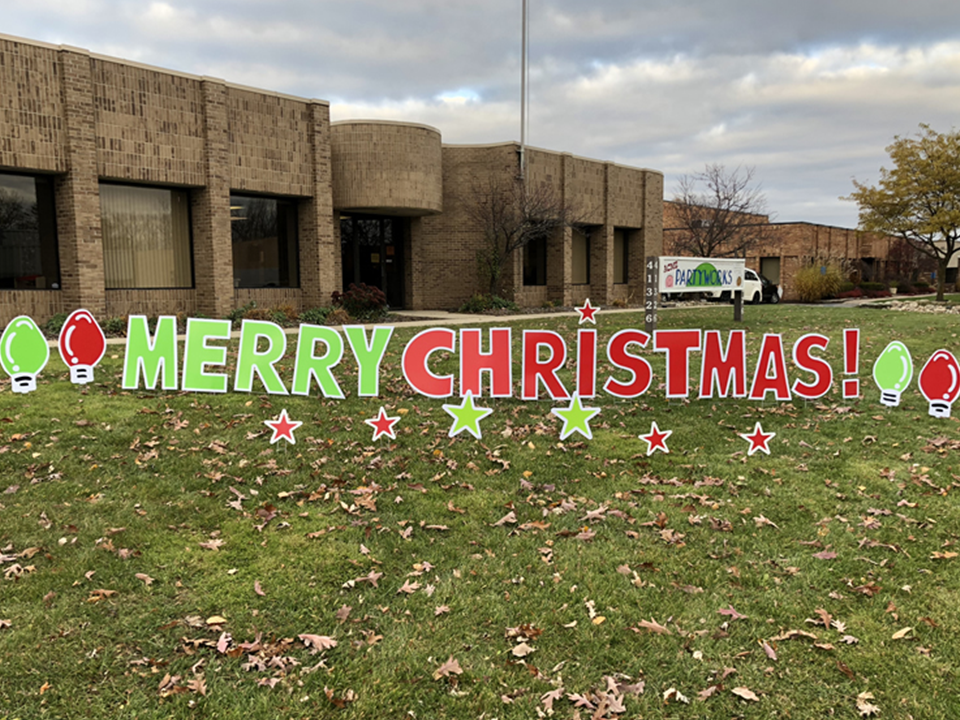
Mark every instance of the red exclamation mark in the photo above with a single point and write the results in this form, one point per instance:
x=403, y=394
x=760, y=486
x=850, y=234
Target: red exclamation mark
x=851, y=361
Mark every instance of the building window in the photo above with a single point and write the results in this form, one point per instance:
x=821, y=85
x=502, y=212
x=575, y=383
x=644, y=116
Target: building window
x=28, y=233
x=146, y=237
x=264, y=242
x=581, y=256
x=621, y=256
x=535, y=262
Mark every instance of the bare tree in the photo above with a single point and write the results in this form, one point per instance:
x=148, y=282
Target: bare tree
x=16, y=213
x=512, y=214
x=719, y=213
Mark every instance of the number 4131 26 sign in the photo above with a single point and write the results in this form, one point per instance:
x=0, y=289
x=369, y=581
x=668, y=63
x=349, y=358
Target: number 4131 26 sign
x=651, y=293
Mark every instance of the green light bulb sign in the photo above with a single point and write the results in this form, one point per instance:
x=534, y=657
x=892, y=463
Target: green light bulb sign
x=23, y=353
x=892, y=372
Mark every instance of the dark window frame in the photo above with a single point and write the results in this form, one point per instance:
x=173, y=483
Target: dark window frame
x=535, y=263
x=627, y=234
x=286, y=213
x=47, y=236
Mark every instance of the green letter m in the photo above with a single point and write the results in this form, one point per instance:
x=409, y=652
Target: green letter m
x=150, y=357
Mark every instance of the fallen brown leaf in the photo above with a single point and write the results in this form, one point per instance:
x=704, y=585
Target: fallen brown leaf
x=745, y=693
x=653, y=626
x=450, y=667
x=522, y=650
x=409, y=587
x=317, y=642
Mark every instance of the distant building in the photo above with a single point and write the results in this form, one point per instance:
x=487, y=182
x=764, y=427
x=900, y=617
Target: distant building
x=132, y=189
x=787, y=247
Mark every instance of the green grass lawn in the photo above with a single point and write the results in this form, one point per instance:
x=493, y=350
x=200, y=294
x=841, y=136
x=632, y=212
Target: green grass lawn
x=161, y=559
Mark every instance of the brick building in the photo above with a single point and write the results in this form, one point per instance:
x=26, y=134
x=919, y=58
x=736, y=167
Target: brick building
x=784, y=248
x=132, y=189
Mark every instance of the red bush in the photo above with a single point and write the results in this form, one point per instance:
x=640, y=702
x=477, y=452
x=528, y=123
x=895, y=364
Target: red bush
x=855, y=293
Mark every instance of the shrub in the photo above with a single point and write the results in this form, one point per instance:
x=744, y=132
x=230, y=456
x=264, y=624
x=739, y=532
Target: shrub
x=878, y=293
x=258, y=313
x=846, y=286
x=315, y=316
x=284, y=315
x=117, y=326
x=338, y=316
x=238, y=314
x=872, y=286
x=55, y=323
x=484, y=303
x=182, y=318
x=812, y=283
x=362, y=302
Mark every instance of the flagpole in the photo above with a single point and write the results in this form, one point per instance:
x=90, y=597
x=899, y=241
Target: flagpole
x=523, y=91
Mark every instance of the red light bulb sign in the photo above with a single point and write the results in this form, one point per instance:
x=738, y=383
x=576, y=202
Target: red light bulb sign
x=82, y=345
x=940, y=382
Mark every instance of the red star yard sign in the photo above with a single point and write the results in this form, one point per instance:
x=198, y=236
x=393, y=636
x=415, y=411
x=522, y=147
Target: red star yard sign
x=283, y=427
x=383, y=425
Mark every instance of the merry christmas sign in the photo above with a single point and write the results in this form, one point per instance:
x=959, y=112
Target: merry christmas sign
x=485, y=367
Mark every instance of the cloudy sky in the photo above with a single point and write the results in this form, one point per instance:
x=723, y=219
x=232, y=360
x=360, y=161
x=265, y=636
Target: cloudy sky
x=809, y=93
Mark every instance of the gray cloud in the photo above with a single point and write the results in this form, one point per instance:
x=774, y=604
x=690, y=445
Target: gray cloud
x=810, y=93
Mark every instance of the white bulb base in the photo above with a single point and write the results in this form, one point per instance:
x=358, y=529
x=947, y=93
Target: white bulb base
x=23, y=383
x=939, y=409
x=890, y=398
x=81, y=374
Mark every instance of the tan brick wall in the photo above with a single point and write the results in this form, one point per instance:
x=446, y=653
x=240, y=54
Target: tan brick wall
x=386, y=168
x=584, y=188
x=320, y=268
x=445, y=268
x=268, y=143
x=87, y=118
x=31, y=114
x=210, y=210
x=77, y=193
x=149, y=124
x=38, y=304
x=443, y=262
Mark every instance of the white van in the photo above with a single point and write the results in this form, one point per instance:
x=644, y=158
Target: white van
x=756, y=289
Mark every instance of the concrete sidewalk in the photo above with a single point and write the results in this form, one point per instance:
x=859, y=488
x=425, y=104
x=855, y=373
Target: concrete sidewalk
x=442, y=318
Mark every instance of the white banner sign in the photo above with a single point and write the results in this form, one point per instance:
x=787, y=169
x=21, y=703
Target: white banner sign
x=691, y=274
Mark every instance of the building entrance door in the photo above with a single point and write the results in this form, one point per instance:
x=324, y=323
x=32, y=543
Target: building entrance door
x=371, y=251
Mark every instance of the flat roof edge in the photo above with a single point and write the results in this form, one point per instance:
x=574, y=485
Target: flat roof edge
x=374, y=121
x=514, y=143
x=156, y=68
